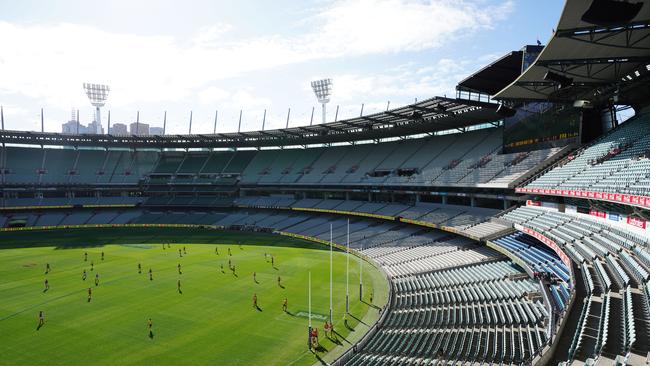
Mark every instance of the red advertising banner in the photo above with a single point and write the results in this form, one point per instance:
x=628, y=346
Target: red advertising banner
x=615, y=197
x=600, y=214
x=637, y=222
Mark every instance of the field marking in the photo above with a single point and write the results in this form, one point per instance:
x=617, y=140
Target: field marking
x=42, y=303
x=55, y=299
x=304, y=314
x=299, y=358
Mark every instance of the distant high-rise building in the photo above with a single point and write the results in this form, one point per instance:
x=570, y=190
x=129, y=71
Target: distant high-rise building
x=140, y=129
x=95, y=127
x=156, y=131
x=74, y=127
x=70, y=128
x=118, y=129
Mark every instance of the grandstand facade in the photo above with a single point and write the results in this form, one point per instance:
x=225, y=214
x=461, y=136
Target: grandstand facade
x=534, y=255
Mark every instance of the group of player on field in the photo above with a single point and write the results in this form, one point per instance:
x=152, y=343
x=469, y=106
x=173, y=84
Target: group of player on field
x=48, y=269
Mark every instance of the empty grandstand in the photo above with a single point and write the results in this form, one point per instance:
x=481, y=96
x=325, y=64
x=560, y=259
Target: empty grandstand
x=515, y=232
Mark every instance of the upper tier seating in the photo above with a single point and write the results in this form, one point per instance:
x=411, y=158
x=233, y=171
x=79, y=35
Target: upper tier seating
x=619, y=162
x=467, y=160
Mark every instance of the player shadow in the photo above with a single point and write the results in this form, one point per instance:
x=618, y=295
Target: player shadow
x=357, y=319
x=338, y=335
x=258, y=308
x=319, y=349
x=371, y=305
x=38, y=327
x=276, y=268
x=289, y=313
x=150, y=334
x=180, y=291
x=256, y=281
x=45, y=290
x=235, y=274
x=335, y=339
x=281, y=286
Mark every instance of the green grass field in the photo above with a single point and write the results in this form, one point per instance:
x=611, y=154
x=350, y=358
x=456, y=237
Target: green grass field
x=212, y=322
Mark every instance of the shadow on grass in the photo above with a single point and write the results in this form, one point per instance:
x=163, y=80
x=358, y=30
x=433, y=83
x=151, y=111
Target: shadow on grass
x=357, y=319
x=319, y=349
x=371, y=305
x=348, y=327
x=98, y=237
x=334, y=339
x=338, y=335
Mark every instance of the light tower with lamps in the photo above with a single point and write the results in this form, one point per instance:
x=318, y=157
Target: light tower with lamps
x=97, y=94
x=323, y=90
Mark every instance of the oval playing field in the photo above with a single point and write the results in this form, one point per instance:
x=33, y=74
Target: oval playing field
x=211, y=320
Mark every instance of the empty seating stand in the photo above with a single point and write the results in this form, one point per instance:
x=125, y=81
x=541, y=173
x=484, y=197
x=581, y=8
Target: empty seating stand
x=615, y=267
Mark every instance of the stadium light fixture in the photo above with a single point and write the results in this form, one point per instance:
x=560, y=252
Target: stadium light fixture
x=323, y=90
x=97, y=94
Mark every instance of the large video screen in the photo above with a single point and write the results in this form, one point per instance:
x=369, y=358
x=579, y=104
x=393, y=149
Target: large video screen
x=539, y=126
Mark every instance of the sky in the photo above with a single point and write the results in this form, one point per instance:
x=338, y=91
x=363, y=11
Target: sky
x=213, y=55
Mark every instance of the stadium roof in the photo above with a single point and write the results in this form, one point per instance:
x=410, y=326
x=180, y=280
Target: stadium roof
x=495, y=76
x=591, y=56
x=435, y=114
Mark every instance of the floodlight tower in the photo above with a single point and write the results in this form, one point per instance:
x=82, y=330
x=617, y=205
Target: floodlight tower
x=323, y=90
x=97, y=94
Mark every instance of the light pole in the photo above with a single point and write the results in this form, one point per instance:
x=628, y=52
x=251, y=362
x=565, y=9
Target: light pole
x=347, y=272
x=330, y=275
x=360, y=279
x=97, y=94
x=323, y=90
x=309, y=295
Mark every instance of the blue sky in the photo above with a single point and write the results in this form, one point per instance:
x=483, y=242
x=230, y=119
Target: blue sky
x=206, y=55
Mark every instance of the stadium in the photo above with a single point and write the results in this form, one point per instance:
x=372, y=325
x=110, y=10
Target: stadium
x=507, y=224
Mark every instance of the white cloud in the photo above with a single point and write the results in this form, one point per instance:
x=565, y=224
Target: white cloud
x=357, y=27
x=207, y=36
x=402, y=83
x=246, y=100
x=213, y=95
x=48, y=63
